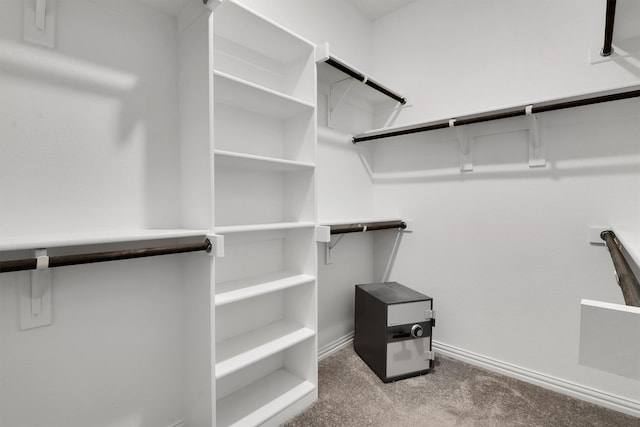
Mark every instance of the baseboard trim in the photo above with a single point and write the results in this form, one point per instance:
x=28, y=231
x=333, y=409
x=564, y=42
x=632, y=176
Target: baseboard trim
x=578, y=391
x=568, y=388
x=334, y=346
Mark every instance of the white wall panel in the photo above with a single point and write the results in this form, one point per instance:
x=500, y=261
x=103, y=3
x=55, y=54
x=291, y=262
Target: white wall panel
x=503, y=250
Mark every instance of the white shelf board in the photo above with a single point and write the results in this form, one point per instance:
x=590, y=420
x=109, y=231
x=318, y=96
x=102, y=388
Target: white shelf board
x=249, y=161
x=266, y=37
x=43, y=241
x=245, y=349
x=237, y=290
x=227, y=229
x=630, y=239
x=262, y=399
x=248, y=96
x=609, y=337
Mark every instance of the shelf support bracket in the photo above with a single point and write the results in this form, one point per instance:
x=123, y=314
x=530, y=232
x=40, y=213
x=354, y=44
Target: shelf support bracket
x=323, y=235
x=35, y=295
x=217, y=240
x=337, y=93
x=536, y=158
x=466, y=152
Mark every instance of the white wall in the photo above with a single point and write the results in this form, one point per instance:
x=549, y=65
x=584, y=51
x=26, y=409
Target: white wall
x=453, y=58
x=503, y=249
x=82, y=118
x=344, y=186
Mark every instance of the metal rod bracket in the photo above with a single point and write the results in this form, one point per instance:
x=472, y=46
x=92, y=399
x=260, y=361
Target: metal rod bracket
x=217, y=245
x=536, y=158
x=327, y=253
x=337, y=92
x=35, y=294
x=466, y=149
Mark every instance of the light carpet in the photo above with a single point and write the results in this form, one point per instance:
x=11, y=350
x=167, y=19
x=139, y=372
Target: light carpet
x=454, y=393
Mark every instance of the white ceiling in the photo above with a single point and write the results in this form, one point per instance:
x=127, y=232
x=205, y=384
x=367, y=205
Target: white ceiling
x=172, y=7
x=374, y=9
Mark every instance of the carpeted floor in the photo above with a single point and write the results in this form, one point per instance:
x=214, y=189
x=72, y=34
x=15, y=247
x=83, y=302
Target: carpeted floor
x=452, y=394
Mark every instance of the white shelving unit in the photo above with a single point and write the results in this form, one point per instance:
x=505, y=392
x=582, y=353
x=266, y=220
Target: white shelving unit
x=196, y=126
x=264, y=156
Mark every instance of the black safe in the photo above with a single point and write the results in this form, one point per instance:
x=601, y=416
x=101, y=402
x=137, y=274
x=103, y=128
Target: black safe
x=393, y=325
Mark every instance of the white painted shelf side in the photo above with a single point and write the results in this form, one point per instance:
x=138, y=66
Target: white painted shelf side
x=243, y=350
x=237, y=290
x=262, y=399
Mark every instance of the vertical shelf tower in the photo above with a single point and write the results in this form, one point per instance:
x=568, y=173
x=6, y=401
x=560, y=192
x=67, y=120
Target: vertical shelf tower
x=264, y=92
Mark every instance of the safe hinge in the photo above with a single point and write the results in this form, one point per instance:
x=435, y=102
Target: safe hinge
x=429, y=314
x=430, y=355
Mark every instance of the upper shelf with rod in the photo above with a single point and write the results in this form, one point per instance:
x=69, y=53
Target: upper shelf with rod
x=337, y=72
x=44, y=261
x=556, y=104
x=328, y=228
x=25, y=242
x=368, y=226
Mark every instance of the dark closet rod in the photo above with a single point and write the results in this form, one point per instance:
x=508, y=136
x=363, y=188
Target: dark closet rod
x=336, y=63
x=497, y=115
x=372, y=226
x=608, y=28
x=627, y=281
x=66, y=260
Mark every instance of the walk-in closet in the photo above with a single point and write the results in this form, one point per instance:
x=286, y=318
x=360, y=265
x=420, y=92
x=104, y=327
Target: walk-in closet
x=194, y=192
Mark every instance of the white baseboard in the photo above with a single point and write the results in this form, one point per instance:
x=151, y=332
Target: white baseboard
x=578, y=391
x=334, y=346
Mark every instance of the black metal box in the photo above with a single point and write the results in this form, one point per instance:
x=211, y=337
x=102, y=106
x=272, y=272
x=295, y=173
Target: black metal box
x=393, y=326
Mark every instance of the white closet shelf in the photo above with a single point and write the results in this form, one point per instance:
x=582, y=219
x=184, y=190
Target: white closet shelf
x=237, y=290
x=248, y=96
x=266, y=36
x=540, y=106
x=241, y=351
x=262, y=399
x=228, y=229
x=630, y=239
x=328, y=75
x=361, y=220
x=249, y=161
x=11, y=243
